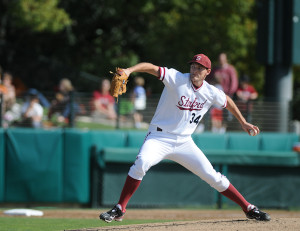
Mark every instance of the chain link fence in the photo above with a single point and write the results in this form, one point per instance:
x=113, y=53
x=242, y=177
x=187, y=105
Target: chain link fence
x=79, y=112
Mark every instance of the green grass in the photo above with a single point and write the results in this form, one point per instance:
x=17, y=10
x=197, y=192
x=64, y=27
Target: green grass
x=53, y=224
x=93, y=126
x=97, y=126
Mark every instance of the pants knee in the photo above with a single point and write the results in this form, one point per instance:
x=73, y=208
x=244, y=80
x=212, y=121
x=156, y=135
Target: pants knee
x=139, y=168
x=218, y=182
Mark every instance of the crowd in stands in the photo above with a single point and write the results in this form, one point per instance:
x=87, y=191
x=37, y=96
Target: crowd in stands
x=225, y=78
x=37, y=111
x=103, y=104
x=32, y=108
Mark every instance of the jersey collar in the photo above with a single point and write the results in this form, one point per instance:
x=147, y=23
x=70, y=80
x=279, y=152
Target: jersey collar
x=196, y=88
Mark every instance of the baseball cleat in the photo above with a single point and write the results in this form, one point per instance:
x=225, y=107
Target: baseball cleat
x=255, y=213
x=114, y=214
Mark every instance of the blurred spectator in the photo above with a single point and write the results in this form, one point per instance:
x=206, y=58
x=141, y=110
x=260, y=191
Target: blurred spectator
x=9, y=98
x=62, y=106
x=42, y=99
x=20, y=86
x=246, y=93
x=103, y=102
x=139, y=101
x=32, y=113
x=228, y=75
x=216, y=112
x=229, y=80
x=10, y=109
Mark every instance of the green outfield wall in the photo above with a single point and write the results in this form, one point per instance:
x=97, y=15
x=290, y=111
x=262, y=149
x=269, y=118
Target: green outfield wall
x=90, y=167
x=34, y=166
x=166, y=184
x=267, y=186
x=76, y=166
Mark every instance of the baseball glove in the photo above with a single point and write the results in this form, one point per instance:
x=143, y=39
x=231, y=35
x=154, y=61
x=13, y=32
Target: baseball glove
x=118, y=83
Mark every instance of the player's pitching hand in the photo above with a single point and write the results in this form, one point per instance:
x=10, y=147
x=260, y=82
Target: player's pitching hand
x=251, y=129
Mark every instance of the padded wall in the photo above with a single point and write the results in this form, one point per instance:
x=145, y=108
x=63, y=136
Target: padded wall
x=278, y=141
x=108, y=138
x=263, y=186
x=77, y=145
x=136, y=138
x=210, y=141
x=34, y=165
x=242, y=141
x=53, y=166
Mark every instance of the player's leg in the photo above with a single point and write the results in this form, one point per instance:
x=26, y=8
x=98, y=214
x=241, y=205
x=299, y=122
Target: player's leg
x=118, y=211
x=152, y=152
x=251, y=211
x=192, y=158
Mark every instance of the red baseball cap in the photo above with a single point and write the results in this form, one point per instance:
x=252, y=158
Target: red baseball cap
x=201, y=59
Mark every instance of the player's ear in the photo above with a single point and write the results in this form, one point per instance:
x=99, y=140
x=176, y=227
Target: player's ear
x=208, y=71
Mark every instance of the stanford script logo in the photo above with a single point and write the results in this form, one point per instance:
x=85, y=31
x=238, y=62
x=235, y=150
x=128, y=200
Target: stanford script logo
x=186, y=103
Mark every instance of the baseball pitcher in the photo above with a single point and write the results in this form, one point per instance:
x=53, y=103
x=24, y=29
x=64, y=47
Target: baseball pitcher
x=183, y=103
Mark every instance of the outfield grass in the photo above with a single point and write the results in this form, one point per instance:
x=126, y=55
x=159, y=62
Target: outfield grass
x=93, y=126
x=53, y=224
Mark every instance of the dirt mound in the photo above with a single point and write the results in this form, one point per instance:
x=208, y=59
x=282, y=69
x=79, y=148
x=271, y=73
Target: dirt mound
x=208, y=225
x=204, y=220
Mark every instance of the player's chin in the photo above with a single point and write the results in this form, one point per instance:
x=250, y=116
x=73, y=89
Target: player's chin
x=197, y=83
x=194, y=81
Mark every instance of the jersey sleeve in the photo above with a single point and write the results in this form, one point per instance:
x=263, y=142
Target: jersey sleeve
x=168, y=76
x=220, y=98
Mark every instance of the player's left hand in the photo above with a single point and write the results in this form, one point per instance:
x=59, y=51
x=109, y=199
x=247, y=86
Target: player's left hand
x=251, y=129
x=118, y=83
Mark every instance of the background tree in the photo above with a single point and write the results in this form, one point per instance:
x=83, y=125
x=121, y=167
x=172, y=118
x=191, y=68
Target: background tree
x=83, y=40
x=26, y=37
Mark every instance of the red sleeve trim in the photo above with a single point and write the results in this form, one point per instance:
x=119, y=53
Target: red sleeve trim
x=159, y=73
x=162, y=72
x=163, y=77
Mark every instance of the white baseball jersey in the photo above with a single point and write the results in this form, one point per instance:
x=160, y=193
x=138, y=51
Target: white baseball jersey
x=182, y=105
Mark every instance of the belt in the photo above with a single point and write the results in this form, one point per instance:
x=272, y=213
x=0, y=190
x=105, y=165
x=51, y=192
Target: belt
x=158, y=129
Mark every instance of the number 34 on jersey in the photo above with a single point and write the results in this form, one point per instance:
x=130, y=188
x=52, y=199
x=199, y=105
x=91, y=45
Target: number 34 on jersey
x=195, y=118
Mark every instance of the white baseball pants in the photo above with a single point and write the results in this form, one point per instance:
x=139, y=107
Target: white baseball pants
x=160, y=145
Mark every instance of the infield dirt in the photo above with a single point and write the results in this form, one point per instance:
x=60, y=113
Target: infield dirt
x=204, y=220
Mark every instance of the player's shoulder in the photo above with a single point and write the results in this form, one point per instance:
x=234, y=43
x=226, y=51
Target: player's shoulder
x=175, y=74
x=211, y=88
x=172, y=71
x=208, y=85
